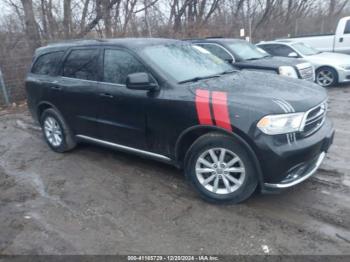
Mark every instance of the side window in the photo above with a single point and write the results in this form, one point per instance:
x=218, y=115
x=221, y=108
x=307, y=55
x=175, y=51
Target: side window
x=217, y=50
x=118, y=65
x=281, y=50
x=268, y=48
x=47, y=64
x=82, y=64
x=347, y=28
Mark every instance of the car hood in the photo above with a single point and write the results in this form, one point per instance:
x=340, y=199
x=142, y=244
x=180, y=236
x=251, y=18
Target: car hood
x=260, y=91
x=273, y=62
x=327, y=58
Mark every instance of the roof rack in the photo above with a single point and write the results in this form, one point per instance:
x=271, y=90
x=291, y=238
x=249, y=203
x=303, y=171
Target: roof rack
x=202, y=38
x=68, y=41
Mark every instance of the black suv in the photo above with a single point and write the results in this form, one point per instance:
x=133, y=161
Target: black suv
x=245, y=55
x=232, y=131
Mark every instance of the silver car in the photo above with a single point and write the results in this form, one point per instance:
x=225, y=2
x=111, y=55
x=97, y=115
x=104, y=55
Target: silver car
x=331, y=68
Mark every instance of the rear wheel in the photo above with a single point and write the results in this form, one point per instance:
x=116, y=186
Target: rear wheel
x=56, y=132
x=326, y=77
x=220, y=169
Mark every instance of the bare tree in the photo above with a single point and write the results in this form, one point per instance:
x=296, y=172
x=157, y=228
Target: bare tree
x=31, y=28
x=67, y=18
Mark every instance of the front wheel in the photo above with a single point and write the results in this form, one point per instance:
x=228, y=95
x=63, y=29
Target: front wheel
x=220, y=169
x=326, y=77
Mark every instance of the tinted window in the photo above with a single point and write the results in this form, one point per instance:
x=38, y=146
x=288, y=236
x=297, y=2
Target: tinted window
x=280, y=50
x=82, y=64
x=118, y=65
x=268, y=48
x=347, y=28
x=47, y=64
x=217, y=50
x=245, y=50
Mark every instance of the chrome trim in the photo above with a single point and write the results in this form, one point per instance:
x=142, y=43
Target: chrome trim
x=97, y=82
x=301, y=179
x=126, y=148
x=306, y=71
x=93, y=81
x=303, y=123
x=317, y=116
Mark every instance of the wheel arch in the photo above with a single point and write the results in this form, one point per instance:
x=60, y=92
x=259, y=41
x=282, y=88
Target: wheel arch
x=190, y=135
x=42, y=106
x=327, y=66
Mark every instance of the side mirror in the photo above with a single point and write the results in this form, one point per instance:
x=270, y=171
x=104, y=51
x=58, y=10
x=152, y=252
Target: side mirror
x=293, y=54
x=141, y=81
x=230, y=60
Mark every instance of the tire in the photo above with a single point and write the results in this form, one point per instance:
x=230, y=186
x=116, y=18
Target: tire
x=60, y=138
x=326, y=77
x=242, y=183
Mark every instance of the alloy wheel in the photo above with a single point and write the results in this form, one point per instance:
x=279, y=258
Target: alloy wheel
x=220, y=171
x=53, y=131
x=325, y=77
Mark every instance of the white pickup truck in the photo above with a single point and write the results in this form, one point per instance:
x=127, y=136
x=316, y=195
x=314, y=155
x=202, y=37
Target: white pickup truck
x=338, y=42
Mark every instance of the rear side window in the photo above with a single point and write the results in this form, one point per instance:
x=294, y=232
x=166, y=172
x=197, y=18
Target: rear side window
x=347, y=28
x=47, y=64
x=217, y=50
x=268, y=48
x=118, y=64
x=280, y=50
x=82, y=64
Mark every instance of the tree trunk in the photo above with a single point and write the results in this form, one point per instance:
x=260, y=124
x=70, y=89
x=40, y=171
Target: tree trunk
x=44, y=20
x=67, y=18
x=107, y=19
x=31, y=28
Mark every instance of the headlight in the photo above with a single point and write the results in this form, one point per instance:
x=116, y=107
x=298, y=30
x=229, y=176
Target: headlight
x=288, y=71
x=281, y=124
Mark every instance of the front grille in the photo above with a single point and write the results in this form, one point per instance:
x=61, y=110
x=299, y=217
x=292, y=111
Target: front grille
x=315, y=119
x=306, y=72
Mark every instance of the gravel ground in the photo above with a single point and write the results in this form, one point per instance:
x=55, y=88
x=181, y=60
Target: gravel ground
x=97, y=201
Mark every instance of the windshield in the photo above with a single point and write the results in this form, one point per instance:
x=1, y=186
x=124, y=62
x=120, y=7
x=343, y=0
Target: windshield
x=184, y=62
x=305, y=49
x=246, y=51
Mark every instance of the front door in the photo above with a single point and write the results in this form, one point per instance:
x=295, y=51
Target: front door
x=79, y=84
x=122, y=113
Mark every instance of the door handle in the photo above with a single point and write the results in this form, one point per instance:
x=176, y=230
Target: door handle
x=106, y=95
x=341, y=39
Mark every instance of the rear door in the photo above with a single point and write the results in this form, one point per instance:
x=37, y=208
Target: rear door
x=41, y=82
x=122, y=113
x=80, y=74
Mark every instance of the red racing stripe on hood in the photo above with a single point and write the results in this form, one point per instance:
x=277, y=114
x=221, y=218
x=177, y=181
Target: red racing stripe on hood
x=220, y=109
x=203, y=107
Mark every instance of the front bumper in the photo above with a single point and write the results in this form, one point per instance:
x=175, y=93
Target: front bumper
x=299, y=175
x=343, y=75
x=286, y=165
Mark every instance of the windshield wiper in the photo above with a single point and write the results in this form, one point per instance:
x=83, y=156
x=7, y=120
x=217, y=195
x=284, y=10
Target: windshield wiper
x=254, y=58
x=198, y=78
x=228, y=72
